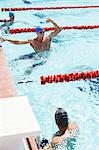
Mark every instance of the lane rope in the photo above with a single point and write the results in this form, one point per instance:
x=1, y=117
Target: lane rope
x=69, y=77
x=21, y=30
x=47, y=8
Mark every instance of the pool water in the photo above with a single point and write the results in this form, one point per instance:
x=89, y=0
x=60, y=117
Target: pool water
x=71, y=51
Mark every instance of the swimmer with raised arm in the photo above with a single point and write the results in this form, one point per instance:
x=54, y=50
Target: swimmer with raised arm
x=8, y=22
x=41, y=42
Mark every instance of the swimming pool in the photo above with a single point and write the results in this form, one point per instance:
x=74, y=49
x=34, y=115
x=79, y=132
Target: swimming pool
x=71, y=51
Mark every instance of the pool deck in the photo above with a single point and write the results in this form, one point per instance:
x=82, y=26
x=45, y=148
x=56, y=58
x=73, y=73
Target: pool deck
x=8, y=89
x=7, y=86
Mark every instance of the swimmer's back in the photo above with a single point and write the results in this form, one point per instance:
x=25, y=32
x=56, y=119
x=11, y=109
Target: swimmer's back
x=67, y=139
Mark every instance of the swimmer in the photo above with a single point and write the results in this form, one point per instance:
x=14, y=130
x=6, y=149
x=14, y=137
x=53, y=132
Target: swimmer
x=8, y=22
x=67, y=130
x=41, y=42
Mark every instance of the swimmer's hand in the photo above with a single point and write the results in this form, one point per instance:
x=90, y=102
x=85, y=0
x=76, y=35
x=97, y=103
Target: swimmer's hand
x=48, y=20
x=47, y=147
x=3, y=20
x=2, y=39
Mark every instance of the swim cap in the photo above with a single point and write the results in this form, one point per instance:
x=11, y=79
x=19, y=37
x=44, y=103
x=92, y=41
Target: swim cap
x=61, y=117
x=11, y=14
x=38, y=29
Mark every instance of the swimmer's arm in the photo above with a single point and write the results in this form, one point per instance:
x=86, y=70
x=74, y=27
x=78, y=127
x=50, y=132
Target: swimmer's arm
x=3, y=20
x=14, y=41
x=57, y=28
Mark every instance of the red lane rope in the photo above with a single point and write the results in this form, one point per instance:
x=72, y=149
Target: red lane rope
x=69, y=77
x=21, y=30
x=46, y=8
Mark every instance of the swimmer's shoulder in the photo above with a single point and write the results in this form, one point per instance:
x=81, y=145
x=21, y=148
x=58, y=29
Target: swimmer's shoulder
x=56, y=138
x=73, y=126
x=32, y=40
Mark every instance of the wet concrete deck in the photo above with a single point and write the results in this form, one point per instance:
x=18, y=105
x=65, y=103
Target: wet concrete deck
x=7, y=86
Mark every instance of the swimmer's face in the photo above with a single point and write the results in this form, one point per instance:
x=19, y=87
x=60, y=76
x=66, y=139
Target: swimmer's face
x=12, y=17
x=41, y=33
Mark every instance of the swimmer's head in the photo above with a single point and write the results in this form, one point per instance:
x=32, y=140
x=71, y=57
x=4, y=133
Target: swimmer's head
x=11, y=14
x=39, y=30
x=61, y=118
